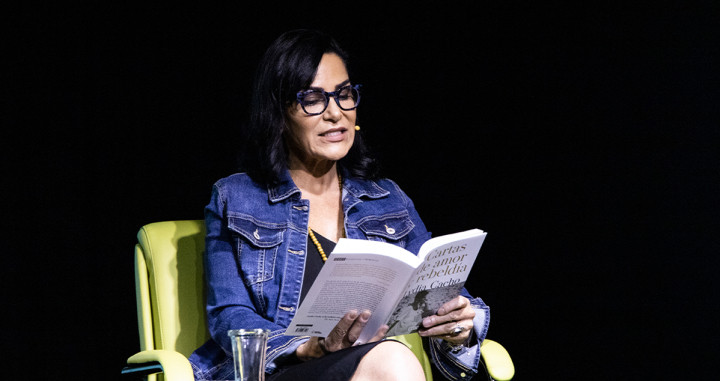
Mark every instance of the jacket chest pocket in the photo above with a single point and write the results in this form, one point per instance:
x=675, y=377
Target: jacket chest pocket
x=257, y=245
x=391, y=227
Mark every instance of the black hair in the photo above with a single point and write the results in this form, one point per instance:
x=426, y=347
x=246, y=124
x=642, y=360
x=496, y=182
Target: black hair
x=288, y=66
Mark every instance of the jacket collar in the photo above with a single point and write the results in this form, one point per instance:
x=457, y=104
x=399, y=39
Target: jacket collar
x=362, y=188
x=283, y=189
x=359, y=188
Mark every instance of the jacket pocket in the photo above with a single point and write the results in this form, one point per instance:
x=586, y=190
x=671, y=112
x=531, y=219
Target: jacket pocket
x=257, y=244
x=391, y=227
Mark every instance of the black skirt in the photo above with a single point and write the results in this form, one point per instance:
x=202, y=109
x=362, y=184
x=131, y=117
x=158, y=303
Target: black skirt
x=340, y=365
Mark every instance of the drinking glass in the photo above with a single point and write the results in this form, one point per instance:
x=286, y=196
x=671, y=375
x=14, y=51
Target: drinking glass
x=249, y=353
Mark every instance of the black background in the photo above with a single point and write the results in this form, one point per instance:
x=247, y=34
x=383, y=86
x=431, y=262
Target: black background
x=583, y=136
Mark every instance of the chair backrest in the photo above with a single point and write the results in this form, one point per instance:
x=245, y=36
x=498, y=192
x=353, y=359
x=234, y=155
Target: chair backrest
x=169, y=286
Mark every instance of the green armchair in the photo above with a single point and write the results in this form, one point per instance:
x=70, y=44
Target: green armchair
x=169, y=287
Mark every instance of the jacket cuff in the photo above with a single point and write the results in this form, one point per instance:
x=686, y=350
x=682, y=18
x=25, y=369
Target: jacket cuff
x=462, y=363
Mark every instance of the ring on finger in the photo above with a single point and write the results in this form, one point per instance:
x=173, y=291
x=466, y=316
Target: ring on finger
x=457, y=330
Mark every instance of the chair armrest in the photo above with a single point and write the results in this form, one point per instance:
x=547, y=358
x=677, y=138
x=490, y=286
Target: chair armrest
x=497, y=360
x=175, y=366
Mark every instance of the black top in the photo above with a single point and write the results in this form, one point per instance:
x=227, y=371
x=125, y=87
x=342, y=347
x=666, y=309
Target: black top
x=314, y=262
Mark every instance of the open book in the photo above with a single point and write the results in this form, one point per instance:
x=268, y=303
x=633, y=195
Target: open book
x=397, y=286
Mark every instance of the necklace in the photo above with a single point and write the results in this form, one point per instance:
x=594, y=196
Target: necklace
x=312, y=235
x=317, y=244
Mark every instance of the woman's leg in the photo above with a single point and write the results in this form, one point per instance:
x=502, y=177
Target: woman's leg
x=389, y=360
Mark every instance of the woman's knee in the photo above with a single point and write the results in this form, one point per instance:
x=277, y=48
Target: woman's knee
x=389, y=360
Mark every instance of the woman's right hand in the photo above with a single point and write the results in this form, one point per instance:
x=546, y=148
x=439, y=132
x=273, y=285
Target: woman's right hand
x=344, y=335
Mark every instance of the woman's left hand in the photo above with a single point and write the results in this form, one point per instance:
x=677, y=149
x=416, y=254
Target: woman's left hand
x=456, y=313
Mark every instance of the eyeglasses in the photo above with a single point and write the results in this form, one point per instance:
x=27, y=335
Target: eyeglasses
x=314, y=102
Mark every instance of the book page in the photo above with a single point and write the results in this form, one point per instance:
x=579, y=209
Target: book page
x=361, y=246
x=444, y=271
x=351, y=281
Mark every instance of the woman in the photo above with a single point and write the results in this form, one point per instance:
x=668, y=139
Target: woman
x=310, y=182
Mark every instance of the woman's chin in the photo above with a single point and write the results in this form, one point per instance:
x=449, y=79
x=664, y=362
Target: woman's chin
x=334, y=154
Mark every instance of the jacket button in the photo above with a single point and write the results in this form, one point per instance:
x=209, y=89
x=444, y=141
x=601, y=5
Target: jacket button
x=256, y=234
x=389, y=230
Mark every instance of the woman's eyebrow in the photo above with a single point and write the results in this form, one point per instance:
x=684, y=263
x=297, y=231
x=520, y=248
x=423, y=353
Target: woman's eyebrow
x=342, y=84
x=337, y=87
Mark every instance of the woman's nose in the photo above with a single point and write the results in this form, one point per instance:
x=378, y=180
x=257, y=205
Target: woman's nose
x=333, y=111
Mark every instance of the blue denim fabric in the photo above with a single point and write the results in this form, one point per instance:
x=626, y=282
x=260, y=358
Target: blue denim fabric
x=255, y=258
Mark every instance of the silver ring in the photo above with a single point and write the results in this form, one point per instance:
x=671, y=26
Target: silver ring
x=457, y=330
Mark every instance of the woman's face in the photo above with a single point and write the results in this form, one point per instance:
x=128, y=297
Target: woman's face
x=325, y=138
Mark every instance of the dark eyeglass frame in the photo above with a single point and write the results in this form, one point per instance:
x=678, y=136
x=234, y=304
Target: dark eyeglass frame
x=300, y=97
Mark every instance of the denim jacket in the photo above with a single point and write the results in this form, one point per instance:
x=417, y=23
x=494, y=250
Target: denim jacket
x=255, y=258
